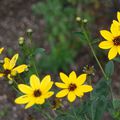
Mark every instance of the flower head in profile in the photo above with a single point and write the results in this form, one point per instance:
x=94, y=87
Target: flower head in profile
x=1, y=50
x=36, y=93
x=112, y=39
x=56, y=103
x=72, y=86
x=9, y=67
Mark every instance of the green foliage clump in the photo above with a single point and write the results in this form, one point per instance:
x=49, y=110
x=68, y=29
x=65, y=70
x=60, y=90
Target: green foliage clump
x=59, y=17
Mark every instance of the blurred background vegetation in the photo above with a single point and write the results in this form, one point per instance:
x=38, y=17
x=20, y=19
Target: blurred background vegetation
x=55, y=30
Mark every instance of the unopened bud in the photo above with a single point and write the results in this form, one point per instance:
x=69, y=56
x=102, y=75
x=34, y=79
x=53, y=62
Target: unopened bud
x=78, y=19
x=85, y=20
x=29, y=32
x=10, y=82
x=1, y=61
x=26, y=69
x=21, y=40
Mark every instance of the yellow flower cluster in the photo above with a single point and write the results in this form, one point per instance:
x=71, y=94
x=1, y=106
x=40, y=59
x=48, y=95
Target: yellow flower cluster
x=38, y=90
x=112, y=38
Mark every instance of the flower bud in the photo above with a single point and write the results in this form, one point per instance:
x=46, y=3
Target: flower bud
x=29, y=32
x=85, y=20
x=1, y=61
x=78, y=19
x=90, y=70
x=21, y=40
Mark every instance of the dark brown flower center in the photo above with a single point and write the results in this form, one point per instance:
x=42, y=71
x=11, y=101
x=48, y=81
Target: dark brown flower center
x=117, y=41
x=6, y=72
x=37, y=93
x=72, y=87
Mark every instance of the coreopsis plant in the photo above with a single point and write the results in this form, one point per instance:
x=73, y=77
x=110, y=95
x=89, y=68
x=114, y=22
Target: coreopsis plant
x=36, y=93
x=72, y=86
x=10, y=69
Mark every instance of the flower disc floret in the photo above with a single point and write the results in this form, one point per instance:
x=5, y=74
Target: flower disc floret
x=37, y=93
x=116, y=41
x=72, y=87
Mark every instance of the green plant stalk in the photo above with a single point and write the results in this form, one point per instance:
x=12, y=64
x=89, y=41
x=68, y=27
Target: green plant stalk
x=94, y=54
x=34, y=65
x=15, y=86
x=45, y=114
x=90, y=82
x=73, y=110
x=31, y=48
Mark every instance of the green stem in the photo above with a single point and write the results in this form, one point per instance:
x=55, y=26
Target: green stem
x=73, y=110
x=45, y=114
x=92, y=114
x=112, y=97
x=94, y=54
x=16, y=89
x=34, y=65
x=86, y=117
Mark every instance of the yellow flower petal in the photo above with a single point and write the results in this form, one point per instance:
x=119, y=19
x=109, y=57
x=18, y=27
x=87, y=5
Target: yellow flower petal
x=81, y=79
x=39, y=100
x=49, y=86
x=22, y=99
x=112, y=53
x=10, y=77
x=61, y=85
x=13, y=61
x=118, y=16
x=71, y=96
x=107, y=35
x=6, y=64
x=85, y=88
x=34, y=82
x=118, y=48
x=106, y=44
x=48, y=94
x=30, y=104
x=72, y=77
x=78, y=92
x=117, y=26
x=1, y=75
x=20, y=68
x=1, y=49
x=116, y=23
x=115, y=29
x=64, y=78
x=25, y=89
x=44, y=83
x=62, y=93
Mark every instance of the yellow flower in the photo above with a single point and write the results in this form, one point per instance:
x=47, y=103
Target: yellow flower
x=9, y=67
x=112, y=41
x=36, y=93
x=1, y=49
x=72, y=86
